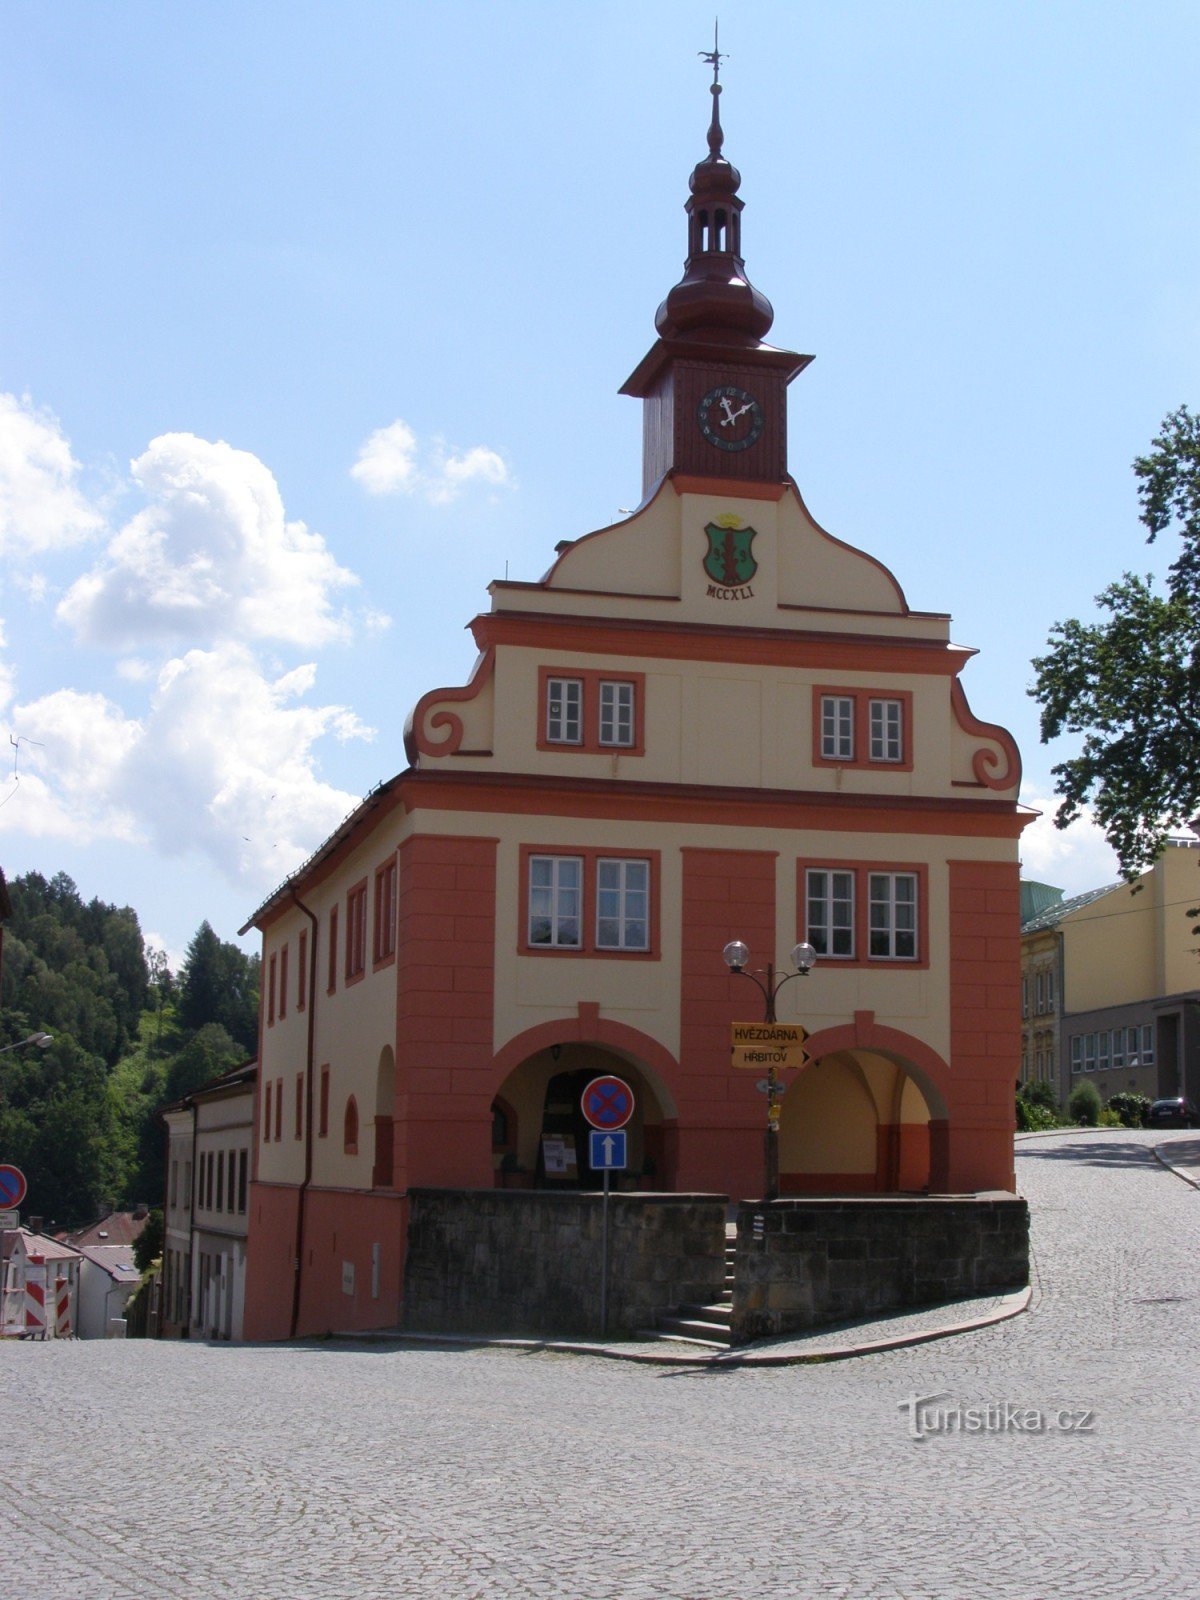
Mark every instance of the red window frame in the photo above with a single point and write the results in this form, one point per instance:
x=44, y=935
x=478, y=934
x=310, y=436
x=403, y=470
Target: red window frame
x=356, y=932
x=278, y=1109
x=266, y=1121
x=283, y=980
x=350, y=1128
x=862, y=871
x=323, y=1114
x=271, y=992
x=590, y=855
x=590, y=680
x=302, y=971
x=333, y=950
x=861, y=759
x=299, y=1105
x=385, y=914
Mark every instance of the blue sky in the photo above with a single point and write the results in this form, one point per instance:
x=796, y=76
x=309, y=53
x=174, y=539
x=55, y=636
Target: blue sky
x=316, y=314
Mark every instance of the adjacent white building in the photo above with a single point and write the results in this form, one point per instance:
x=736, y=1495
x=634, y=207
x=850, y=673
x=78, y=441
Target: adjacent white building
x=205, y=1213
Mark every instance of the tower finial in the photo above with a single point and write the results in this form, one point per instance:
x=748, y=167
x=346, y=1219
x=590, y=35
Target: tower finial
x=716, y=55
x=714, y=58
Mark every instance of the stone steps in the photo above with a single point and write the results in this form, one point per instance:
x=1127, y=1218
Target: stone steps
x=709, y=1325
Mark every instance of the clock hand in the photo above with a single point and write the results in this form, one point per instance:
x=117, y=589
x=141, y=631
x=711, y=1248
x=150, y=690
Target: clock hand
x=729, y=415
x=738, y=413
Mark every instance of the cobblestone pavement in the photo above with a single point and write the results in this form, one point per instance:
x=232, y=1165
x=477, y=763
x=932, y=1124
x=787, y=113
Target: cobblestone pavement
x=171, y=1470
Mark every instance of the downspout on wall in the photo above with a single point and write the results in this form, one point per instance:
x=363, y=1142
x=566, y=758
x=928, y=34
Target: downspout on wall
x=308, y=1111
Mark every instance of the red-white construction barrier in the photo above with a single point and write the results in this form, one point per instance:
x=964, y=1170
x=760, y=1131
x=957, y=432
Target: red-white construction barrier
x=35, y=1297
x=62, y=1308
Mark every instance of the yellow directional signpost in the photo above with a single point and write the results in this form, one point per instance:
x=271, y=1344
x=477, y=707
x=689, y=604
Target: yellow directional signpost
x=768, y=1046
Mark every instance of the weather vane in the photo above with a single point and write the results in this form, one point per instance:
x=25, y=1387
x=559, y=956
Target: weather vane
x=715, y=56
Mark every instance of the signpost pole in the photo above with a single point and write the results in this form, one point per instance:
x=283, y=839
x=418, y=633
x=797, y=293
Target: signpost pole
x=604, y=1267
x=771, y=1151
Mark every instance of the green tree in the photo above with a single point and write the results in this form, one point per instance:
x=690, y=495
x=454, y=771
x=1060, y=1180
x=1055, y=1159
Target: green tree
x=210, y=1051
x=1130, y=683
x=148, y=1245
x=55, y=1124
x=219, y=983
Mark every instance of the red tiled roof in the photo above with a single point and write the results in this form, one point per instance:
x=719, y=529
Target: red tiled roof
x=38, y=1244
x=119, y=1227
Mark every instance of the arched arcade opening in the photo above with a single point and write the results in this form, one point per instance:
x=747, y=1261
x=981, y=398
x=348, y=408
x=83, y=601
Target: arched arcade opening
x=857, y=1122
x=539, y=1133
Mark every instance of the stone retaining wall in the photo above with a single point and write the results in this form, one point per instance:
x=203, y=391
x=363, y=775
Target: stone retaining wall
x=527, y=1262
x=805, y=1262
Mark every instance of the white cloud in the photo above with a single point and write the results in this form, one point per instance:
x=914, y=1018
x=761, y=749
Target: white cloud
x=41, y=505
x=1073, y=859
x=222, y=765
x=392, y=461
x=211, y=558
x=387, y=463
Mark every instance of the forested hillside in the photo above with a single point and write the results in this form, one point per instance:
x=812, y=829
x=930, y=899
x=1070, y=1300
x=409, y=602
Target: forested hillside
x=128, y=1035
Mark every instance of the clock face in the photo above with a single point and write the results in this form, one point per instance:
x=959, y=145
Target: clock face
x=730, y=418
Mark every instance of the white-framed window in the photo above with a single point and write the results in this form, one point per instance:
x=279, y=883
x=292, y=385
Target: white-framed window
x=1089, y=1052
x=1104, y=1051
x=837, y=727
x=616, y=712
x=622, y=904
x=1077, y=1052
x=1148, y=1044
x=1040, y=990
x=1024, y=997
x=1050, y=997
x=1118, y=1049
x=887, y=730
x=556, y=901
x=892, y=914
x=564, y=710
x=830, y=927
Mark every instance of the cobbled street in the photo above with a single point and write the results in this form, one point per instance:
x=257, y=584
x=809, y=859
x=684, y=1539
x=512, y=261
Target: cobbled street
x=154, y=1469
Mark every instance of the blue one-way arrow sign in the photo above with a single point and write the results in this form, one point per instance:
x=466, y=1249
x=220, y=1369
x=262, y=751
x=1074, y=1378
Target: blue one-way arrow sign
x=607, y=1151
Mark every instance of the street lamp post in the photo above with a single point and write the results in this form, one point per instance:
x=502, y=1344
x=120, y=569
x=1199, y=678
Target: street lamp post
x=42, y=1040
x=737, y=958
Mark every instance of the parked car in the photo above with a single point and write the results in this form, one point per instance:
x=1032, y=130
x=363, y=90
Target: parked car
x=1176, y=1113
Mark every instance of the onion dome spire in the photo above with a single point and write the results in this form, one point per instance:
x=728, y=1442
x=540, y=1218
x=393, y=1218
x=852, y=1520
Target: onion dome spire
x=714, y=298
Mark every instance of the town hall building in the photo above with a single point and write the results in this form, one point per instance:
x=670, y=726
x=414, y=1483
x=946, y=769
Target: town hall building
x=711, y=721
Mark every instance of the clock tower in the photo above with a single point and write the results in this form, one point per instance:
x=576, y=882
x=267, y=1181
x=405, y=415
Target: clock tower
x=715, y=394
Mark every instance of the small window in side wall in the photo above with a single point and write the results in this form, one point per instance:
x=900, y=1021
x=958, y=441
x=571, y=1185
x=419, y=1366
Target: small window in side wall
x=278, y=1109
x=271, y=992
x=220, y=1180
x=323, y=1115
x=1148, y=1044
x=385, y=913
x=302, y=972
x=266, y=1122
x=333, y=948
x=299, y=1105
x=283, y=982
x=350, y=1128
x=243, y=1168
x=356, y=931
